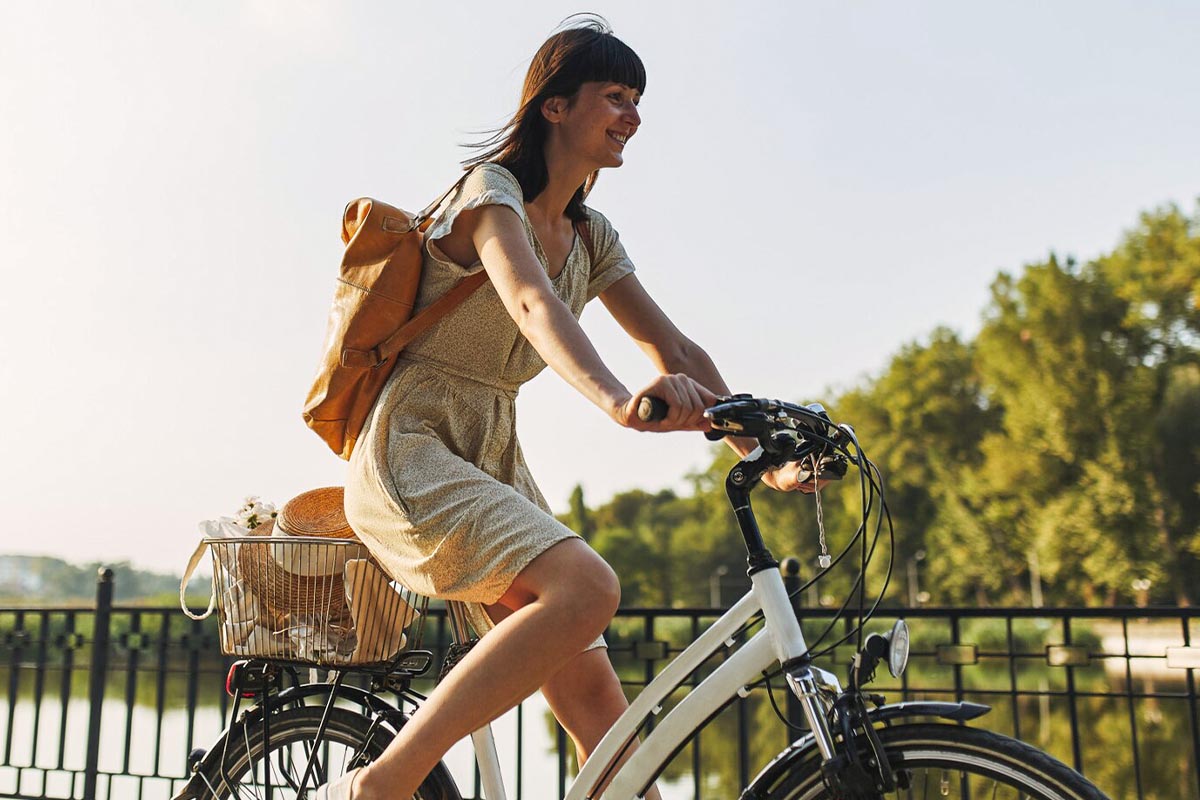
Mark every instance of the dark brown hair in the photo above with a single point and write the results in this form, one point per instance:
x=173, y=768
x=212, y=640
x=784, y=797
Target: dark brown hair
x=585, y=50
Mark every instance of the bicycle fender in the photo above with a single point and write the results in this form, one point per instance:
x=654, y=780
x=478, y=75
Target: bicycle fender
x=373, y=703
x=959, y=712
x=195, y=788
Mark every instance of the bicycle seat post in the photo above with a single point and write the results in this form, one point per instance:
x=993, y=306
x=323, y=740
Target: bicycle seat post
x=483, y=741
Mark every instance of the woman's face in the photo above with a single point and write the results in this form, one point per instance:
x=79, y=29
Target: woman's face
x=598, y=122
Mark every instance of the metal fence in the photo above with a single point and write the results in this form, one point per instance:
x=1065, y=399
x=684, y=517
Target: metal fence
x=106, y=702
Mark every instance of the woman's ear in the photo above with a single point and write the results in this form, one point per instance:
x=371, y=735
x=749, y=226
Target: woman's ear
x=553, y=108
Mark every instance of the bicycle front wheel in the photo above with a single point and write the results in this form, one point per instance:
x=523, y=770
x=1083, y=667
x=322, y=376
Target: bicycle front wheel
x=955, y=762
x=253, y=767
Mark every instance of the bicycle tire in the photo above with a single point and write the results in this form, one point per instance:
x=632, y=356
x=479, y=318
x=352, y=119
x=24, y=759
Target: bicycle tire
x=293, y=734
x=951, y=761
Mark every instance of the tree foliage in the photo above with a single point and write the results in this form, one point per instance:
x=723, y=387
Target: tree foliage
x=30, y=579
x=1057, y=453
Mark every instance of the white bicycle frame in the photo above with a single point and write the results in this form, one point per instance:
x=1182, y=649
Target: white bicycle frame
x=779, y=641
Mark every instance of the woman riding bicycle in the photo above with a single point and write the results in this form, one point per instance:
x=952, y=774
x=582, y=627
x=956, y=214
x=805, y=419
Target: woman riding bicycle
x=438, y=488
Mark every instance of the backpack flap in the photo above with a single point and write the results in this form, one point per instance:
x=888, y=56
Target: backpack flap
x=374, y=296
x=369, y=322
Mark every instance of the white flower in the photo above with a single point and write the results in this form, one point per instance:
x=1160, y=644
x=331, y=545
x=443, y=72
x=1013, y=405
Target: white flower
x=254, y=512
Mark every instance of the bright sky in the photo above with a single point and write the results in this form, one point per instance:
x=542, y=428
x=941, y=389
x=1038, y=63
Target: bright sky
x=813, y=185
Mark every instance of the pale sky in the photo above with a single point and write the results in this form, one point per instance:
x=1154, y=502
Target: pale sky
x=813, y=185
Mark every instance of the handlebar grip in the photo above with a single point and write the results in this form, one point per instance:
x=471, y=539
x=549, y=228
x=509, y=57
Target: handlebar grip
x=652, y=409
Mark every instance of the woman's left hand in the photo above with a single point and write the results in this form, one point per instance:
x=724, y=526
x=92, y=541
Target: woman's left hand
x=787, y=479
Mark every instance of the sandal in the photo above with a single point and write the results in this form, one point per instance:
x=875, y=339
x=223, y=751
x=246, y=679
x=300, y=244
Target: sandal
x=338, y=788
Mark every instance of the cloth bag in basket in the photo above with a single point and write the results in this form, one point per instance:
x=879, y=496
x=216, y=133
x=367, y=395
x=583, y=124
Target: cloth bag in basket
x=303, y=600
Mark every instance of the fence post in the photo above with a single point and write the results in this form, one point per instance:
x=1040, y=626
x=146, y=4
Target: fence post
x=98, y=672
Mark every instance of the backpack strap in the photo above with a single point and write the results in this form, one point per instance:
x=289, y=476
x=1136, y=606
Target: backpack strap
x=432, y=207
x=377, y=356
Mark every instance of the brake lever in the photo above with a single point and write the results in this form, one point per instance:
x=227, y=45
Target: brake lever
x=819, y=421
x=830, y=467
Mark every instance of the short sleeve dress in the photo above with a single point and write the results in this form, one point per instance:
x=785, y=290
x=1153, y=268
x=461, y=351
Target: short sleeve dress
x=438, y=489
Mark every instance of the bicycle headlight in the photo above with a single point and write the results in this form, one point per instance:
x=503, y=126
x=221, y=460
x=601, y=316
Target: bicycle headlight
x=898, y=648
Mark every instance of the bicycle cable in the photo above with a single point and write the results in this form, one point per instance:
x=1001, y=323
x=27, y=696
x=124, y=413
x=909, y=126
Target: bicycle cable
x=871, y=486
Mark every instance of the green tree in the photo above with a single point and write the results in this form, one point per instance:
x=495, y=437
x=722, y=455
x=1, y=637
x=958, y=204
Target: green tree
x=578, y=518
x=922, y=422
x=1156, y=272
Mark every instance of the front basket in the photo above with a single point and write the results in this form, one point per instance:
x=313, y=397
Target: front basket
x=316, y=601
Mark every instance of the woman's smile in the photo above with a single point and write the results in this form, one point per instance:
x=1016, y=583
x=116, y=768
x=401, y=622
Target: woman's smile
x=622, y=138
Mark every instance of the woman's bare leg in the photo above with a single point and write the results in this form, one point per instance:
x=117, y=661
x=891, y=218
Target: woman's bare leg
x=564, y=599
x=586, y=698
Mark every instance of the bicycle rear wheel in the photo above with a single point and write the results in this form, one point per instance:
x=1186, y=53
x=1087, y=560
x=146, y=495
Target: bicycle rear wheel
x=955, y=762
x=251, y=763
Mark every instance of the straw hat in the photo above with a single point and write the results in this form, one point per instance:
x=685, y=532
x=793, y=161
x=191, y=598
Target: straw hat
x=318, y=512
x=315, y=513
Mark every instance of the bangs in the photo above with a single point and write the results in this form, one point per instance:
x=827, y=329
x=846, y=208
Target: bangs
x=578, y=55
x=612, y=61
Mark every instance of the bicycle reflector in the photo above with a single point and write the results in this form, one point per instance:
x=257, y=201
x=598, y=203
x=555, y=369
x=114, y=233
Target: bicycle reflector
x=249, y=680
x=898, y=642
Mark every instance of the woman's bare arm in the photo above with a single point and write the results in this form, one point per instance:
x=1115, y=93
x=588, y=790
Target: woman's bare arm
x=498, y=237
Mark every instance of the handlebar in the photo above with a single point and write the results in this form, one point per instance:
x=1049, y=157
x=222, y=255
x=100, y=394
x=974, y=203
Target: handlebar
x=652, y=409
x=785, y=431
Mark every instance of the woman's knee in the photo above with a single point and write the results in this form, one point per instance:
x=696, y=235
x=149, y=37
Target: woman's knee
x=589, y=576
x=605, y=588
x=569, y=573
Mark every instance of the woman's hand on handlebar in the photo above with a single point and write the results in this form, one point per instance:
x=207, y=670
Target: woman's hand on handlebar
x=685, y=400
x=787, y=478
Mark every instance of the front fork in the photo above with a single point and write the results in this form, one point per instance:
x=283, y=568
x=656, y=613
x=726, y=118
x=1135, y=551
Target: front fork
x=859, y=768
x=813, y=686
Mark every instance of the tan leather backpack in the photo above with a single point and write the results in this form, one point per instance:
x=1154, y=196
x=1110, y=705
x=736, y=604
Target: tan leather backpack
x=371, y=319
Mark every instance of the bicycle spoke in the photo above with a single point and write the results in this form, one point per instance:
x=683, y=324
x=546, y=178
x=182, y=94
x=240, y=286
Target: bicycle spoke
x=253, y=772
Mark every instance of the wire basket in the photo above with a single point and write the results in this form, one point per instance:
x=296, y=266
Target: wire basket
x=312, y=600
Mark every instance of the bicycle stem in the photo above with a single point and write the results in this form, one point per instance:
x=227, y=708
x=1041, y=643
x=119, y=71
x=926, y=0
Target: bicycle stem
x=744, y=476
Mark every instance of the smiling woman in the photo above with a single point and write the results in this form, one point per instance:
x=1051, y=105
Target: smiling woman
x=438, y=487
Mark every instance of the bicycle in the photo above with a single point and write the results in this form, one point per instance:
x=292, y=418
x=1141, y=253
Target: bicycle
x=857, y=747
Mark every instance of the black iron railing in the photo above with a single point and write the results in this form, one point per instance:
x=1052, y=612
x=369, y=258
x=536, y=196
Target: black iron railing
x=106, y=702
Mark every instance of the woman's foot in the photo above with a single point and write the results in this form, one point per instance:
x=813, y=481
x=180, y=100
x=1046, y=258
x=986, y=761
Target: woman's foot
x=341, y=788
